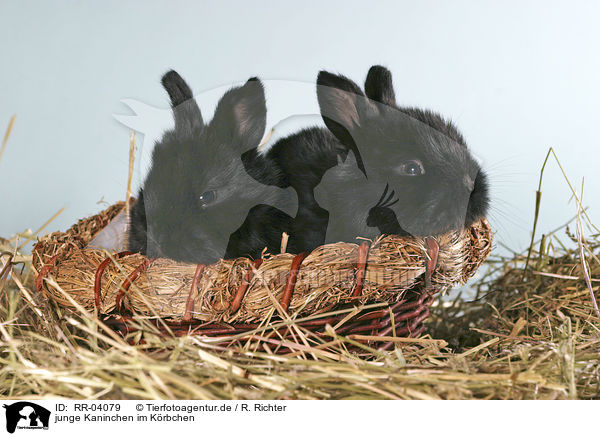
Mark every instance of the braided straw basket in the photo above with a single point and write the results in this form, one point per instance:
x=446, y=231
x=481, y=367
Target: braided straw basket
x=234, y=296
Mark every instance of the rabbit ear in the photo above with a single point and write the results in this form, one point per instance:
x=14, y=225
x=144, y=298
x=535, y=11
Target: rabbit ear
x=185, y=109
x=379, y=87
x=339, y=103
x=242, y=113
x=343, y=105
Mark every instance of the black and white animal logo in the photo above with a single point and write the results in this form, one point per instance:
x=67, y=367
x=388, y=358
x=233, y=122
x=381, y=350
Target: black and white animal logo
x=26, y=415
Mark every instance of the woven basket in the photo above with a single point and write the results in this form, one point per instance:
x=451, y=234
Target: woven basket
x=234, y=296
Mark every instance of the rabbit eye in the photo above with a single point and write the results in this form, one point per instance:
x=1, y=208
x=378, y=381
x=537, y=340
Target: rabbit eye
x=411, y=167
x=207, y=197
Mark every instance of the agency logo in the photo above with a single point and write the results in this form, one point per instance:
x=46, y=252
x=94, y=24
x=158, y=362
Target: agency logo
x=24, y=415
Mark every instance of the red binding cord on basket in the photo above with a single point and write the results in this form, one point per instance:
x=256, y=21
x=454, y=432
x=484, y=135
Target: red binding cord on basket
x=236, y=303
x=189, y=304
x=286, y=297
x=43, y=271
x=361, y=268
x=98, y=278
x=129, y=280
x=433, y=250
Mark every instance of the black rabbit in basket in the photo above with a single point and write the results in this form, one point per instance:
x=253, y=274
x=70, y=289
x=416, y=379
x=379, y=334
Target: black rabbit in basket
x=377, y=168
x=198, y=194
x=411, y=172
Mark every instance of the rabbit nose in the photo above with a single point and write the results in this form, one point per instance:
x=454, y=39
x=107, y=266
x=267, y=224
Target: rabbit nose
x=469, y=183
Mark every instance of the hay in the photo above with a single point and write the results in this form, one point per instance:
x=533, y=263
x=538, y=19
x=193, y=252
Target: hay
x=324, y=282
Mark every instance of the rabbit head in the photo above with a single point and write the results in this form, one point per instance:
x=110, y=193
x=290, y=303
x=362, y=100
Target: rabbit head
x=414, y=165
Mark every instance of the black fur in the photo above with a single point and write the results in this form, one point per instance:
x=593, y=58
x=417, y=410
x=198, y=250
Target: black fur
x=300, y=161
x=451, y=194
x=378, y=85
x=137, y=233
x=188, y=119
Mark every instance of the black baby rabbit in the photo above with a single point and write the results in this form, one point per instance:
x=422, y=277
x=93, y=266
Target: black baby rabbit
x=198, y=202
x=376, y=169
x=410, y=171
